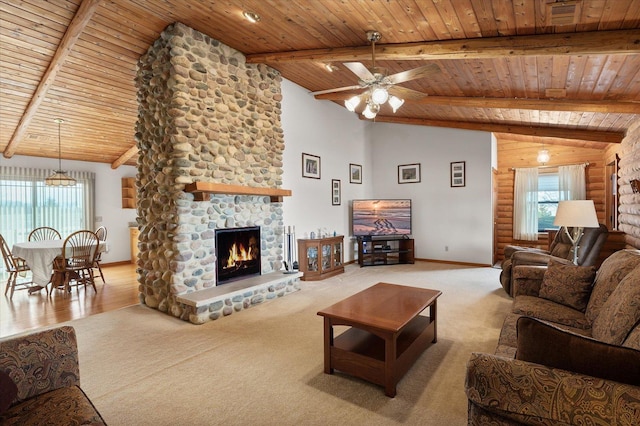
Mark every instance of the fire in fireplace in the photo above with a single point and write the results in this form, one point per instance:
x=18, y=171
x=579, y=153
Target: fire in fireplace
x=237, y=253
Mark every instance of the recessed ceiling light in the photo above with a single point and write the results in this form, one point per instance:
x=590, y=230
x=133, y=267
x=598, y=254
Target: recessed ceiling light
x=251, y=17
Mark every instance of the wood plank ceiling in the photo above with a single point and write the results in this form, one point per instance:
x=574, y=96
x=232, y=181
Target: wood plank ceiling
x=503, y=66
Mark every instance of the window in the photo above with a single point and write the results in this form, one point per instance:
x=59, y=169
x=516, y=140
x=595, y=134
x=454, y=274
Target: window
x=27, y=203
x=548, y=197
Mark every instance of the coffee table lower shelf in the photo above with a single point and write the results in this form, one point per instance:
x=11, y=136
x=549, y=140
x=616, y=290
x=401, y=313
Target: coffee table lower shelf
x=361, y=353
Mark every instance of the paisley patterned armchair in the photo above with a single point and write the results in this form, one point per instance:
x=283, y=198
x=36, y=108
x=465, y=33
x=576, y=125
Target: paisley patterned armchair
x=40, y=380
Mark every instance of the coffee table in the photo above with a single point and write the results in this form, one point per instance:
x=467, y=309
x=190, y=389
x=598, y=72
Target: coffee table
x=386, y=335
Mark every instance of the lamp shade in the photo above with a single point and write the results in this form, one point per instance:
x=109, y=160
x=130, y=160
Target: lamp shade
x=576, y=213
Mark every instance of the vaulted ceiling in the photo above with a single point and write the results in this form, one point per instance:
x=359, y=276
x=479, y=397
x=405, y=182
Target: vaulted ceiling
x=567, y=72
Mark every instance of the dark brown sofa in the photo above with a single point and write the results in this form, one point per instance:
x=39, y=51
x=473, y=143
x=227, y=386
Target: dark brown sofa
x=558, y=365
x=40, y=381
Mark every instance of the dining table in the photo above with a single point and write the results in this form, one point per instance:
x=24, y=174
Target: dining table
x=39, y=256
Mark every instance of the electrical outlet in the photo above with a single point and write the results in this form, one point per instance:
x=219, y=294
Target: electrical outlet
x=98, y=218
x=446, y=248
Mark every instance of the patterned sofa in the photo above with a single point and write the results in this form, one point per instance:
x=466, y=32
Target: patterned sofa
x=40, y=381
x=569, y=350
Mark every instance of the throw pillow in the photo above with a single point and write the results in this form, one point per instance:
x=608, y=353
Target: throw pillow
x=569, y=285
x=621, y=312
x=544, y=344
x=8, y=391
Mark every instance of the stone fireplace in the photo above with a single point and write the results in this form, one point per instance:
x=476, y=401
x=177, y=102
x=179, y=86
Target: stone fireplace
x=205, y=116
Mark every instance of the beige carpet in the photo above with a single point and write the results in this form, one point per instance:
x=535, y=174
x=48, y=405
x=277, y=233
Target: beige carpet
x=264, y=365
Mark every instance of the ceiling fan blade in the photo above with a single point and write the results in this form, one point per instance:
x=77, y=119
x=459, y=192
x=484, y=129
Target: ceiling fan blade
x=337, y=89
x=420, y=72
x=360, y=70
x=406, y=93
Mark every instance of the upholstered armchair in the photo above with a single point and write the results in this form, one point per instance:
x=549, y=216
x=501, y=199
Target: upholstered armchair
x=560, y=249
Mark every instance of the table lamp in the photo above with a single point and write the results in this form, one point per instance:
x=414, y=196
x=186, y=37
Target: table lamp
x=577, y=214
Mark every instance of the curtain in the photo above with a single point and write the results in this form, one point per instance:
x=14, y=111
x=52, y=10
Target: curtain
x=525, y=204
x=27, y=203
x=572, y=183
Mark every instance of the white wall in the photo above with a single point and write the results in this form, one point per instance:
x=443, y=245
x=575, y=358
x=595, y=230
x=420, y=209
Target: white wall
x=329, y=131
x=108, y=199
x=453, y=224
x=458, y=218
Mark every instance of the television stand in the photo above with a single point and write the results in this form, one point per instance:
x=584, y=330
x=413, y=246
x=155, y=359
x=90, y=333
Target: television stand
x=376, y=250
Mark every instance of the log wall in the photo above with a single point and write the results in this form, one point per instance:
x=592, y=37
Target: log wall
x=629, y=210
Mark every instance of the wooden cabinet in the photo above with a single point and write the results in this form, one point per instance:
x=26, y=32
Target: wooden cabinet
x=320, y=258
x=373, y=251
x=128, y=193
x=133, y=237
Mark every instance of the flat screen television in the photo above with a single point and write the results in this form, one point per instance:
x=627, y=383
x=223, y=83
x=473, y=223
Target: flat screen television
x=370, y=218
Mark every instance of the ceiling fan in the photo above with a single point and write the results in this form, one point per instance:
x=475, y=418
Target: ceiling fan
x=379, y=86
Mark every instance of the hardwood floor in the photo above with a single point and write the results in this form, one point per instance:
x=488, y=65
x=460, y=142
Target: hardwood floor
x=29, y=311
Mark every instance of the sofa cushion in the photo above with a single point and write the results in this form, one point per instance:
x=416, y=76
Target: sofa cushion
x=64, y=406
x=569, y=285
x=544, y=344
x=611, y=272
x=621, y=312
x=633, y=339
x=8, y=391
x=547, y=310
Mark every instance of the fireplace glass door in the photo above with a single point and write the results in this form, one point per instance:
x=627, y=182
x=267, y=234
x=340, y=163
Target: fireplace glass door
x=237, y=253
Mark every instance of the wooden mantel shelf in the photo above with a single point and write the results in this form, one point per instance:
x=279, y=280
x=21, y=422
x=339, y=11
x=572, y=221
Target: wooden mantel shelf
x=201, y=190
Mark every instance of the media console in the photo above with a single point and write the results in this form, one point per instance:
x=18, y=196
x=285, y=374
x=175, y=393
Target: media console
x=385, y=251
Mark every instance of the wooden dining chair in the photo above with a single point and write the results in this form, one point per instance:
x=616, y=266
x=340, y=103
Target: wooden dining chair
x=15, y=266
x=101, y=233
x=76, y=263
x=44, y=233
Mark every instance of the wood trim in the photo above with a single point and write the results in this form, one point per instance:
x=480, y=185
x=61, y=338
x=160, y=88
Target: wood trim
x=124, y=157
x=201, y=190
x=605, y=106
x=619, y=42
x=554, y=132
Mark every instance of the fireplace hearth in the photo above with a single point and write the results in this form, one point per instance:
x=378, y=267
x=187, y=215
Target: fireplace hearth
x=237, y=253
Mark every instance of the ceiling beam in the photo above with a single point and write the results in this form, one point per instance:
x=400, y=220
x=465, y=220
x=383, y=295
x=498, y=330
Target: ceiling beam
x=604, y=106
x=74, y=30
x=618, y=42
x=124, y=157
x=552, y=132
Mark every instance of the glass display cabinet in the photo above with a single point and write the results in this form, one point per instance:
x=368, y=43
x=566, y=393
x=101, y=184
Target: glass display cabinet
x=320, y=258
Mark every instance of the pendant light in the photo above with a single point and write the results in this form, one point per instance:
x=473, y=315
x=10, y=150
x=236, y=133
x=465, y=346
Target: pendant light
x=59, y=177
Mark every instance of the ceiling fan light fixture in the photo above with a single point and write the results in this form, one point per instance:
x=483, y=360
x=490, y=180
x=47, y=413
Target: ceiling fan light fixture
x=352, y=103
x=251, y=16
x=59, y=177
x=379, y=95
x=371, y=110
x=395, y=103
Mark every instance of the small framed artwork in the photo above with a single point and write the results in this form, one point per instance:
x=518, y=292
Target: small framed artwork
x=335, y=192
x=310, y=166
x=355, y=173
x=457, y=173
x=409, y=173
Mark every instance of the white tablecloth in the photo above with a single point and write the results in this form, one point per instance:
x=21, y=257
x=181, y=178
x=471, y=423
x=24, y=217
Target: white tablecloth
x=39, y=256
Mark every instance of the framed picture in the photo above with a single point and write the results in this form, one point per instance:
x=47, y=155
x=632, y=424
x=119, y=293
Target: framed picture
x=310, y=166
x=457, y=173
x=335, y=192
x=409, y=173
x=355, y=173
